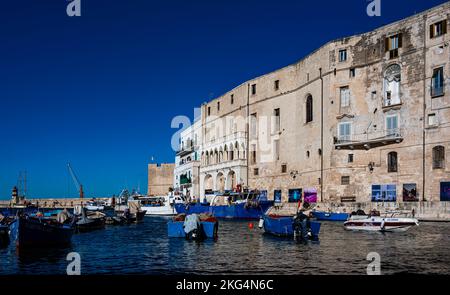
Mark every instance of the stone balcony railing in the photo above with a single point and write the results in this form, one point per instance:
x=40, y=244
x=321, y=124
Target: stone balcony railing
x=223, y=165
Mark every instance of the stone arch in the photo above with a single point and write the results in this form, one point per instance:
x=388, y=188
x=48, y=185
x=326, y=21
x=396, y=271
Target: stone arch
x=220, y=182
x=231, y=180
x=209, y=182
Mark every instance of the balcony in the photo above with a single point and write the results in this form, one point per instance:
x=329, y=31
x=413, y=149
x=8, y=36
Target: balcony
x=369, y=140
x=185, y=151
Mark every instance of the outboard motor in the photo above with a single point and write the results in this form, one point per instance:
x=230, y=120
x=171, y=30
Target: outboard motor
x=193, y=228
x=302, y=227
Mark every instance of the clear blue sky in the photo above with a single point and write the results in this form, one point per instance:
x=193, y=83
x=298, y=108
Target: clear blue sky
x=101, y=90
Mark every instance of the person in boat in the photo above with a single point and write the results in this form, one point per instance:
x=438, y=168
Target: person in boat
x=302, y=223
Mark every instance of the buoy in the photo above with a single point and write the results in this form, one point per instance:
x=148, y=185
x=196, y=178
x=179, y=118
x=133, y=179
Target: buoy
x=250, y=225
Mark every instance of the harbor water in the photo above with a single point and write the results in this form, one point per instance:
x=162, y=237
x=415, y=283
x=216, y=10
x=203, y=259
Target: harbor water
x=145, y=249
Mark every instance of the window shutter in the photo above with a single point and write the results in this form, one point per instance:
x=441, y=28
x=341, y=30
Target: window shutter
x=400, y=40
x=386, y=44
x=431, y=31
x=444, y=26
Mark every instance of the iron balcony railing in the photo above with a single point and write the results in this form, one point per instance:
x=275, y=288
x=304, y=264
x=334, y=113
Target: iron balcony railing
x=369, y=136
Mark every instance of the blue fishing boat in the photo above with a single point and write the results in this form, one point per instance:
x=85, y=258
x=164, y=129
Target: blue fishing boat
x=330, y=216
x=30, y=231
x=230, y=206
x=286, y=226
x=193, y=227
x=4, y=235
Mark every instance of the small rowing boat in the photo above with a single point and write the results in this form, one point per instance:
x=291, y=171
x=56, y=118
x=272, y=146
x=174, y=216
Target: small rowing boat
x=193, y=227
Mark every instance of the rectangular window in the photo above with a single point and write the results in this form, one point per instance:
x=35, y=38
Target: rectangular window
x=209, y=111
x=345, y=97
x=342, y=55
x=352, y=73
x=253, y=158
x=392, y=44
x=254, y=125
x=392, y=126
x=276, y=152
x=345, y=180
x=218, y=106
x=432, y=121
x=437, y=82
x=438, y=29
x=284, y=168
x=345, y=131
x=253, y=89
x=256, y=171
x=350, y=158
x=277, y=85
x=276, y=114
x=232, y=98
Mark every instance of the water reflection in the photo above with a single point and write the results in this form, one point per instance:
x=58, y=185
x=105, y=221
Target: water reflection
x=146, y=249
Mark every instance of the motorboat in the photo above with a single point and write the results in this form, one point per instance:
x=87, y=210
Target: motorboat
x=250, y=205
x=94, y=205
x=388, y=222
x=160, y=205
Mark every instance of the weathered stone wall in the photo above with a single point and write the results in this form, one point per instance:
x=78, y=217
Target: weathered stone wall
x=160, y=179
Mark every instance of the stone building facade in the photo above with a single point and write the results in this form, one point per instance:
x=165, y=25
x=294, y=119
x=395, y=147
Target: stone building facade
x=160, y=179
x=364, y=118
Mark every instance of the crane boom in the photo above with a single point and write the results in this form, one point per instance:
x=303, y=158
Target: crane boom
x=77, y=183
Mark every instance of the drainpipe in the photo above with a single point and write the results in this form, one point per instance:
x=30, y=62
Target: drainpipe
x=248, y=131
x=424, y=104
x=321, y=135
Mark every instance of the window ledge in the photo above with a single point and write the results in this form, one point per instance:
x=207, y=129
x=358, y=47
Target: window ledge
x=392, y=106
x=437, y=95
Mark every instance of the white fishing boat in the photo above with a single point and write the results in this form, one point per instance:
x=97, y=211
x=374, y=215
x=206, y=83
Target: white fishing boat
x=389, y=222
x=160, y=205
x=94, y=206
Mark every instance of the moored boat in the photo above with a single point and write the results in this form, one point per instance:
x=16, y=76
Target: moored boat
x=4, y=235
x=89, y=221
x=288, y=220
x=160, y=205
x=330, y=216
x=193, y=227
x=230, y=206
x=30, y=231
x=390, y=222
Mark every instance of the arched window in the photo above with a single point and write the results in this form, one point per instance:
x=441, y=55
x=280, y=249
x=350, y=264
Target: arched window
x=392, y=78
x=392, y=162
x=438, y=157
x=309, y=109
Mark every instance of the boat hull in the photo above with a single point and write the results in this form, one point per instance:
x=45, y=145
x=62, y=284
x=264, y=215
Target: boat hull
x=381, y=224
x=283, y=226
x=234, y=211
x=4, y=236
x=175, y=229
x=159, y=210
x=330, y=216
x=34, y=232
x=90, y=224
